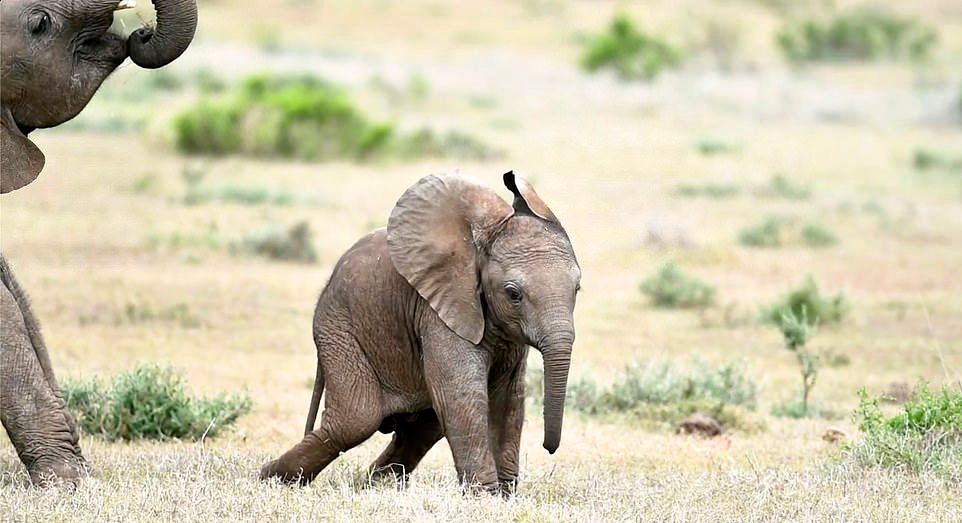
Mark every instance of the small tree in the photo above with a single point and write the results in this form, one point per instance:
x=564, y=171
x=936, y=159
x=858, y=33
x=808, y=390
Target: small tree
x=797, y=331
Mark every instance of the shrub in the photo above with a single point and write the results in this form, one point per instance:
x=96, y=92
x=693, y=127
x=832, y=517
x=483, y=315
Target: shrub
x=924, y=436
x=714, y=146
x=927, y=159
x=858, y=34
x=630, y=52
x=149, y=402
x=302, y=117
x=659, y=393
x=766, y=234
x=796, y=331
x=278, y=243
x=816, y=235
x=669, y=287
x=807, y=303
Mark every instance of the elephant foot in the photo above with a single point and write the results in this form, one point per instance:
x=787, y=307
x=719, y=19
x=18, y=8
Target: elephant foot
x=394, y=474
x=58, y=472
x=274, y=469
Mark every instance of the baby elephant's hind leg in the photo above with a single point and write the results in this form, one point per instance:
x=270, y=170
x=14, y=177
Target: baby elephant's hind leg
x=352, y=413
x=414, y=435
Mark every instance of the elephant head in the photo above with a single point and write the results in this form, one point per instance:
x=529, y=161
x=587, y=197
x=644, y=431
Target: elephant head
x=492, y=271
x=56, y=54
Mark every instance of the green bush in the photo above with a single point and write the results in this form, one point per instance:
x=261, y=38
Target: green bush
x=766, y=234
x=664, y=395
x=714, y=146
x=927, y=159
x=277, y=243
x=807, y=303
x=306, y=118
x=630, y=52
x=858, y=34
x=816, y=235
x=149, y=403
x=924, y=436
x=796, y=331
x=669, y=287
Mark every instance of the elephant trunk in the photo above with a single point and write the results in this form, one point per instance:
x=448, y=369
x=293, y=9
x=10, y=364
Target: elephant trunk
x=176, y=23
x=557, y=359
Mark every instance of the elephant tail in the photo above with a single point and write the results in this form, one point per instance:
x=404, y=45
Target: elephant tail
x=315, y=399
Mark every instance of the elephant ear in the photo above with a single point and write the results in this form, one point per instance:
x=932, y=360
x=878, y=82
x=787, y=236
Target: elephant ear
x=434, y=236
x=20, y=160
x=526, y=201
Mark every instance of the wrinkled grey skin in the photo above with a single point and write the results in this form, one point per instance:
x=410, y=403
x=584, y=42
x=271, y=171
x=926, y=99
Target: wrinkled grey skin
x=423, y=331
x=54, y=56
x=31, y=406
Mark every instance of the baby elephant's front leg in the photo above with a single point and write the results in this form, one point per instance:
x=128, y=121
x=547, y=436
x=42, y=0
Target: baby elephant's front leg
x=457, y=377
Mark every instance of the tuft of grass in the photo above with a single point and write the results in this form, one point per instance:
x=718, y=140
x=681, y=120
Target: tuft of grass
x=708, y=190
x=669, y=287
x=807, y=304
x=631, y=53
x=278, y=243
x=715, y=146
x=150, y=402
x=924, y=436
x=817, y=235
x=865, y=33
x=780, y=186
x=924, y=159
x=766, y=234
x=777, y=231
x=663, y=395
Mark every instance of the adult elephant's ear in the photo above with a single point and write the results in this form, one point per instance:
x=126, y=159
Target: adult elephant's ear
x=20, y=160
x=434, y=236
x=526, y=201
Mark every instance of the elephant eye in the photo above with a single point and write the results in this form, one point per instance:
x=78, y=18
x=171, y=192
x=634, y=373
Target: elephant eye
x=513, y=292
x=39, y=23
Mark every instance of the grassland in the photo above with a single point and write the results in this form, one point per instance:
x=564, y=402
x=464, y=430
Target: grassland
x=105, y=229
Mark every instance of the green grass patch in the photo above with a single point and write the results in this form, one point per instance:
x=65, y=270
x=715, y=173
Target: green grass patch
x=629, y=52
x=817, y=235
x=865, y=33
x=807, y=303
x=780, y=186
x=150, y=402
x=670, y=287
x=925, y=435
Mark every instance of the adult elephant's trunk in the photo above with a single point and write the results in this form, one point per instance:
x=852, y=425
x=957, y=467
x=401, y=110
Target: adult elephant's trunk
x=176, y=23
x=557, y=359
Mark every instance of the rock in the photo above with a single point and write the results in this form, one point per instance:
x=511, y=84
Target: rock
x=834, y=434
x=700, y=424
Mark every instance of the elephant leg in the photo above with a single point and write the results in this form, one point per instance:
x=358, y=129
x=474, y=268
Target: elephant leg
x=456, y=373
x=31, y=409
x=352, y=413
x=413, y=438
x=506, y=400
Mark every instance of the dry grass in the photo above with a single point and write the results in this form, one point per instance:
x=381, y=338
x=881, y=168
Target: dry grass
x=606, y=157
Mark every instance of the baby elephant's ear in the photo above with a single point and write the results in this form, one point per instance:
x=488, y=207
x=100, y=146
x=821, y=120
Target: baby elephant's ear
x=526, y=201
x=434, y=236
x=20, y=160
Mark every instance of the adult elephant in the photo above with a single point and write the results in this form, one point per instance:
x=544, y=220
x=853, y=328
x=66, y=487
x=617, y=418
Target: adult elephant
x=423, y=331
x=55, y=55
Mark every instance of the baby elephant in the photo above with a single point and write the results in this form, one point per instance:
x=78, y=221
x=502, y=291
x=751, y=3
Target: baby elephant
x=423, y=331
